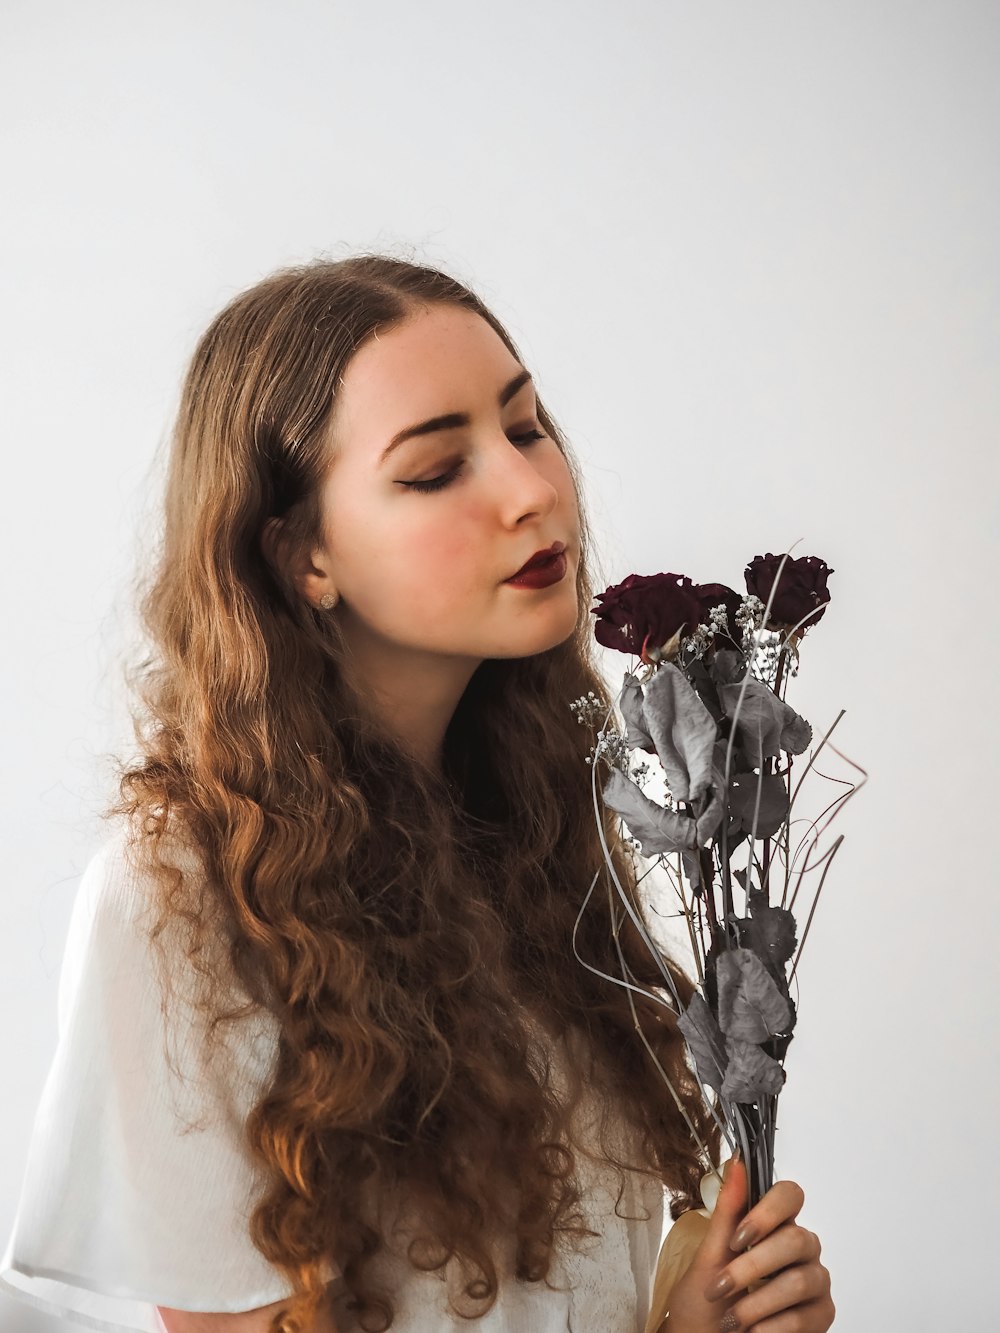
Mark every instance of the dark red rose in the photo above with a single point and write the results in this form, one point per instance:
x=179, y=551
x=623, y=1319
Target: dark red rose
x=801, y=587
x=645, y=611
x=710, y=595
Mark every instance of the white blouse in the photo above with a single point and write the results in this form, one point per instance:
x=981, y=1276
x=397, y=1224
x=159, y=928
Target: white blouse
x=128, y=1204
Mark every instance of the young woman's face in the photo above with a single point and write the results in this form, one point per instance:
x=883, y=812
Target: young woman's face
x=421, y=573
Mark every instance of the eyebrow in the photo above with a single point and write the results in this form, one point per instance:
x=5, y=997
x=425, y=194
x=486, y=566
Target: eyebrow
x=453, y=419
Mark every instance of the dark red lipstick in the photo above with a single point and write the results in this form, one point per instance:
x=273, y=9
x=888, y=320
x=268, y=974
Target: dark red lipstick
x=544, y=567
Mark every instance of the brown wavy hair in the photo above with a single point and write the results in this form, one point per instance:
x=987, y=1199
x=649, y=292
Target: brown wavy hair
x=401, y=928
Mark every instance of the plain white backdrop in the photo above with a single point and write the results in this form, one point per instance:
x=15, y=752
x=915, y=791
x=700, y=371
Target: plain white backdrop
x=749, y=252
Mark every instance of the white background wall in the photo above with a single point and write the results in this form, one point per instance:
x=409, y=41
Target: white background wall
x=749, y=252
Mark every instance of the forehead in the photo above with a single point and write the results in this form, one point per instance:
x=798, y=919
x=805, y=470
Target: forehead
x=439, y=360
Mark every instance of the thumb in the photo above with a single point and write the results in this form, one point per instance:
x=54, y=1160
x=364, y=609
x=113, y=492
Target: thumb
x=730, y=1208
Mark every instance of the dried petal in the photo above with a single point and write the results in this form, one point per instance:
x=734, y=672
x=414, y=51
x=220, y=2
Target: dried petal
x=645, y=611
x=711, y=595
x=801, y=593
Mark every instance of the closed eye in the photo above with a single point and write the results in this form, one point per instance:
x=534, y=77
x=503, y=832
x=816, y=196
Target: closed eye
x=438, y=483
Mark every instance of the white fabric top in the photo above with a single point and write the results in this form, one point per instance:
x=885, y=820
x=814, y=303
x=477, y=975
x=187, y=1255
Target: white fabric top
x=124, y=1206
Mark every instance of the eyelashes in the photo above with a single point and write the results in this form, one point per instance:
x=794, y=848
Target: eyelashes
x=438, y=483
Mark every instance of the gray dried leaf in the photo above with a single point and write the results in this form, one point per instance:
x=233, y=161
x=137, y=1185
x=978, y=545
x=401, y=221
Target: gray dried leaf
x=765, y=724
x=727, y=665
x=630, y=703
x=796, y=733
x=656, y=829
x=772, y=810
x=692, y=868
x=750, y=1073
x=751, y=1007
x=775, y=929
x=705, y=1042
x=709, y=808
x=682, y=729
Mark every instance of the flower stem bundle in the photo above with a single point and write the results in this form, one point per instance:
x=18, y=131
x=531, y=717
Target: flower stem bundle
x=708, y=703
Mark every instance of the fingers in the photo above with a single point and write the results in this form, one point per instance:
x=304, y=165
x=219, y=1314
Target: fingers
x=715, y=1248
x=789, y=1244
x=782, y=1201
x=796, y=1300
x=812, y=1317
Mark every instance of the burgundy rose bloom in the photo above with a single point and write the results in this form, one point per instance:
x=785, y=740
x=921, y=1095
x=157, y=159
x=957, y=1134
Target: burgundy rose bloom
x=801, y=587
x=645, y=611
x=710, y=595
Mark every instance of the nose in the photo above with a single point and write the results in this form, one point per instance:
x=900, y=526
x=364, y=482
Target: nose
x=520, y=484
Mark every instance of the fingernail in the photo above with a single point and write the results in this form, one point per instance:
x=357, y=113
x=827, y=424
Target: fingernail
x=742, y=1239
x=729, y=1323
x=719, y=1288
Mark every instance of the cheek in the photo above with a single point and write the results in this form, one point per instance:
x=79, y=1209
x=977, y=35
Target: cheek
x=437, y=545
x=446, y=536
x=388, y=545
x=431, y=563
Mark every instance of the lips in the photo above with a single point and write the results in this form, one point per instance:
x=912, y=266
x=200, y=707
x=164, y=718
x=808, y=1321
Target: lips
x=540, y=558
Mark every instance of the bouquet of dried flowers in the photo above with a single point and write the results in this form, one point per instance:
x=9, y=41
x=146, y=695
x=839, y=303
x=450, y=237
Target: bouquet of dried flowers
x=709, y=704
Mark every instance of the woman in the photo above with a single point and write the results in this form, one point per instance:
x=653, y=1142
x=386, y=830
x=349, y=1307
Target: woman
x=361, y=827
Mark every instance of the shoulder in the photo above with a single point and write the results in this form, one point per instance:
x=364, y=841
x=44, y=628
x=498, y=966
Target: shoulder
x=126, y=941
x=108, y=940
x=120, y=887
x=140, y=977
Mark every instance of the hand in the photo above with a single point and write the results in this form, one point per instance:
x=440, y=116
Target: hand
x=794, y=1298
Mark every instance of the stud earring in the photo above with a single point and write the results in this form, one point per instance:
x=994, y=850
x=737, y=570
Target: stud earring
x=328, y=600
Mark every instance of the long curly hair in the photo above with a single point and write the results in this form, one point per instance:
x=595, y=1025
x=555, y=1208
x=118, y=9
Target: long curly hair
x=401, y=929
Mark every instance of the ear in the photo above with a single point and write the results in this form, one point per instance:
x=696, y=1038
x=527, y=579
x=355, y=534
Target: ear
x=310, y=580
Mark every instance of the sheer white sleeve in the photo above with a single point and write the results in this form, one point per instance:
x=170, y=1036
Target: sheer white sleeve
x=137, y=1188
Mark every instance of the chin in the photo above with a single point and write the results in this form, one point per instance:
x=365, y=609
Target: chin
x=541, y=643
